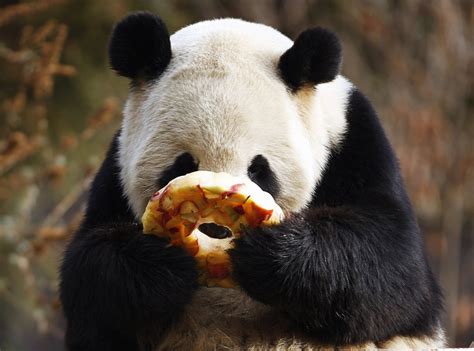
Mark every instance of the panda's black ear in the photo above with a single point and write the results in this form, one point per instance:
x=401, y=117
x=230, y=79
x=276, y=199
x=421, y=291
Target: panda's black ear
x=140, y=46
x=314, y=58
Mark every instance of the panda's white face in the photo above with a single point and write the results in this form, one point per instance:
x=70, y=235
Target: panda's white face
x=221, y=100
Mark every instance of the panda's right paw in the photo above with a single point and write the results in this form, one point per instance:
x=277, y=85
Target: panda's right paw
x=117, y=279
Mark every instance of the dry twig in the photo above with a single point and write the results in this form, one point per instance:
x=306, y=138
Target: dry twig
x=11, y=12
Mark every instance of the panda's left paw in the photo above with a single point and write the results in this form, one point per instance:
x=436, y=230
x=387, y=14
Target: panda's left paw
x=270, y=263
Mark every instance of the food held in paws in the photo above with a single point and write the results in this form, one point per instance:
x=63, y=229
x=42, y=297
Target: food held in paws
x=203, y=212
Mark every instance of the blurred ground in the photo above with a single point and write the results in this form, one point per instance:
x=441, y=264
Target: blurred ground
x=59, y=106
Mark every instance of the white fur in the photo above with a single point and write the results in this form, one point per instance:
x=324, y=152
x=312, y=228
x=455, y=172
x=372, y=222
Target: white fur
x=222, y=100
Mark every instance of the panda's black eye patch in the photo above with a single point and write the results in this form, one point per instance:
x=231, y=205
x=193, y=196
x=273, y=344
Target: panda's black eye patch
x=260, y=172
x=183, y=164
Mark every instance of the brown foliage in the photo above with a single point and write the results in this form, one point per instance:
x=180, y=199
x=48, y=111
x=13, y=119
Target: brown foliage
x=31, y=165
x=12, y=12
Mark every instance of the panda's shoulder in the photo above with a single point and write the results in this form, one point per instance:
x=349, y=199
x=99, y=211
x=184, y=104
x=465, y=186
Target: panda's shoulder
x=363, y=158
x=107, y=201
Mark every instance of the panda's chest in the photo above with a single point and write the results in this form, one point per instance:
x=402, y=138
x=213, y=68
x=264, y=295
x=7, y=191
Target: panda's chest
x=228, y=319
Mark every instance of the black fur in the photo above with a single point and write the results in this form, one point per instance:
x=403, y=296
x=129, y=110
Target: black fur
x=351, y=268
x=261, y=173
x=314, y=58
x=140, y=46
x=183, y=164
x=120, y=289
x=107, y=189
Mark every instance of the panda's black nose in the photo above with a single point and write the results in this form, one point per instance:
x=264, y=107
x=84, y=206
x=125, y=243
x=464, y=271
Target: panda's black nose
x=215, y=231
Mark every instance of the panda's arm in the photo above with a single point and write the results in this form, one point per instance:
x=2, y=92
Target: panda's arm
x=351, y=268
x=119, y=288
x=345, y=274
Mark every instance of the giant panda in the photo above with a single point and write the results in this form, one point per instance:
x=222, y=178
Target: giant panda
x=346, y=268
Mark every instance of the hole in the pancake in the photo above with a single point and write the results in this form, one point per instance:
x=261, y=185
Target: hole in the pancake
x=215, y=231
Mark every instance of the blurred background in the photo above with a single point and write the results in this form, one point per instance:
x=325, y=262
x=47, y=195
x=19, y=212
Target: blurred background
x=60, y=105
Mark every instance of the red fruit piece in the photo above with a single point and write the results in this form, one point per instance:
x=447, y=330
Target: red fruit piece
x=239, y=209
x=258, y=215
x=218, y=271
x=236, y=187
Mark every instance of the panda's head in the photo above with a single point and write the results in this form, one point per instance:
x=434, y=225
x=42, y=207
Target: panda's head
x=227, y=96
